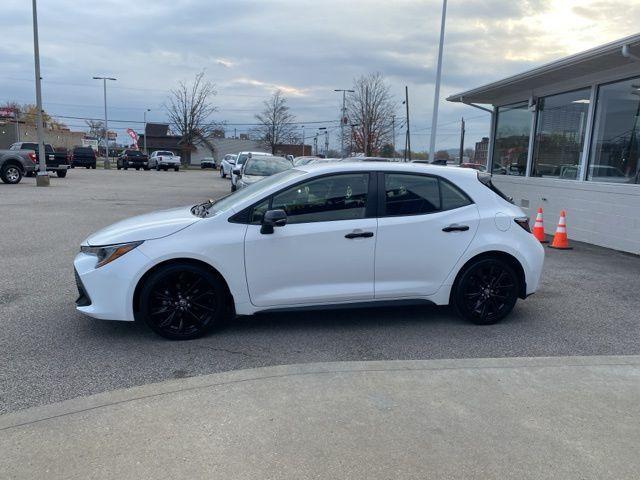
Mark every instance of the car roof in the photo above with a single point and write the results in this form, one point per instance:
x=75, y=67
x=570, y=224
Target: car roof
x=330, y=167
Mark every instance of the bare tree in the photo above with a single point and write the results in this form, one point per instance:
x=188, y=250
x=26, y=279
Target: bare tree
x=276, y=122
x=189, y=108
x=369, y=110
x=96, y=128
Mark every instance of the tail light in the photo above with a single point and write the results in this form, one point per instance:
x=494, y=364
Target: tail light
x=32, y=157
x=523, y=222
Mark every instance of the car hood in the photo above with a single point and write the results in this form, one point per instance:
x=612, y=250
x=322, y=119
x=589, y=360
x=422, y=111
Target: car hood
x=144, y=227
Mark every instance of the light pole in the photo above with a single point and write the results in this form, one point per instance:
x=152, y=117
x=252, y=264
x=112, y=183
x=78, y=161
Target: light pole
x=42, y=179
x=302, y=155
x=145, y=130
x=342, y=117
x=436, y=95
x=107, y=165
x=393, y=134
x=326, y=141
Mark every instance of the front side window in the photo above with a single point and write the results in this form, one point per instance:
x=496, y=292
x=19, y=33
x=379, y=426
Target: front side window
x=336, y=197
x=511, y=144
x=614, y=149
x=408, y=194
x=560, y=130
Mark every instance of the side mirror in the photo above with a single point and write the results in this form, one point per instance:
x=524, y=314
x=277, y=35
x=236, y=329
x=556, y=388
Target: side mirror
x=237, y=171
x=273, y=218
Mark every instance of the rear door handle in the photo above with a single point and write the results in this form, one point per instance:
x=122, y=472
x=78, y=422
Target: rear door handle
x=359, y=235
x=456, y=228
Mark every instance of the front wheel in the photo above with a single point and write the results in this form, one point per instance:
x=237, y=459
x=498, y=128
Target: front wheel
x=62, y=173
x=222, y=174
x=11, y=174
x=486, y=291
x=175, y=169
x=180, y=302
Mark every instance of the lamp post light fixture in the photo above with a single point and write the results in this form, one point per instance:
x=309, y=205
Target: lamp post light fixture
x=107, y=165
x=343, y=117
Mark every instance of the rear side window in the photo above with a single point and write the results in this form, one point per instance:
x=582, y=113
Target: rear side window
x=409, y=194
x=29, y=146
x=485, y=179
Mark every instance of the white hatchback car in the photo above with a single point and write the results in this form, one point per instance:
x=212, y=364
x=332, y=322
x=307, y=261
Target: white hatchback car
x=325, y=235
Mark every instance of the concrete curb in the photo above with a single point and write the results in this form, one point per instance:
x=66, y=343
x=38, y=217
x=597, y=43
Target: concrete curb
x=103, y=400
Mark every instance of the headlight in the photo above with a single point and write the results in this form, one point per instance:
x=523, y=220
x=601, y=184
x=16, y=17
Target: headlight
x=108, y=253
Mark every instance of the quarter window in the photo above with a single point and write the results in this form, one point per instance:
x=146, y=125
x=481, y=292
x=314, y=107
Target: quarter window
x=407, y=194
x=337, y=197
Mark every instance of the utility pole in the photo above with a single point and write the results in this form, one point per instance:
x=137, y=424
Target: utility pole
x=326, y=143
x=343, y=117
x=107, y=165
x=393, y=134
x=42, y=179
x=408, y=138
x=315, y=144
x=353, y=126
x=461, y=140
x=365, y=141
x=302, y=155
x=436, y=95
x=145, y=130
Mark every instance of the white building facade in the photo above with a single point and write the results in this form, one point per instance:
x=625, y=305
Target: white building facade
x=566, y=135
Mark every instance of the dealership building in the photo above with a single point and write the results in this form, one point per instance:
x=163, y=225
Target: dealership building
x=566, y=135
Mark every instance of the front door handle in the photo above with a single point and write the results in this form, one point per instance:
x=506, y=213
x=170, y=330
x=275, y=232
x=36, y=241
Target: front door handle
x=456, y=228
x=359, y=235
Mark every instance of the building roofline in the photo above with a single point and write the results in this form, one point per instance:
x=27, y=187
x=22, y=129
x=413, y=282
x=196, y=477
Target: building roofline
x=565, y=62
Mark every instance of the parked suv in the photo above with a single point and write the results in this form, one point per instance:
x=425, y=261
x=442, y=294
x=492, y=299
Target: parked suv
x=83, y=157
x=134, y=159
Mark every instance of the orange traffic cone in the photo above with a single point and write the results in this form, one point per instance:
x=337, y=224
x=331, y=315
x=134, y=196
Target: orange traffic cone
x=538, y=228
x=560, y=240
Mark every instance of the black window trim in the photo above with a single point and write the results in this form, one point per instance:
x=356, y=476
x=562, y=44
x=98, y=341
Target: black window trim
x=382, y=204
x=371, y=207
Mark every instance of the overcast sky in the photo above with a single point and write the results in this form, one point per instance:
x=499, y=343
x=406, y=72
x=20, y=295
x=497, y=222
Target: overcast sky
x=305, y=48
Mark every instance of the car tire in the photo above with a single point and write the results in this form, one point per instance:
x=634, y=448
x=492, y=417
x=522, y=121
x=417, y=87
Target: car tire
x=119, y=167
x=10, y=173
x=183, y=301
x=87, y=167
x=233, y=187
x=485, y=291
x=73, y=166
x=61, y=173
x=222, y=174
x=176, y=169
x=93, y=167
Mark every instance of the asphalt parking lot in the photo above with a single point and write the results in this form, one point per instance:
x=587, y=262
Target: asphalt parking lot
x=588, y=304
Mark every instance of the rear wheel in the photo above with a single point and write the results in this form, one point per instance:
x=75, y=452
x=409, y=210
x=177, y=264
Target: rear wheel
x=93, y=167
x=486, y=291
x=175, y=169
x=62, y=173
x=181, y=302
x=10, y=173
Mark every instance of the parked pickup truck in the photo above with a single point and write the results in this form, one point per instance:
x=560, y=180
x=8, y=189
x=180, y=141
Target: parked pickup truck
x=164, y=160
x=14, y=164
x=134, y=159
x=56, y=161
x=83, y=157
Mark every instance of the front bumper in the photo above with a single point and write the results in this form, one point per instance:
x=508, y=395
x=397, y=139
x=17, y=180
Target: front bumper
x=107, y=292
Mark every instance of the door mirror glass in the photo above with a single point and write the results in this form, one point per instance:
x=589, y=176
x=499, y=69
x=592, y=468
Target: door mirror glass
x=237, y=171
x=273, y=218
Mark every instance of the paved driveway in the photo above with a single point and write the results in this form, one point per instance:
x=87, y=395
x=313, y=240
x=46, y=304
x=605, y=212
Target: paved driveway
x=588, y=304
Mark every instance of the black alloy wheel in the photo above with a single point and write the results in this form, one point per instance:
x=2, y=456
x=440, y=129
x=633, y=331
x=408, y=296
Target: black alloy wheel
x=486, y=291
x=181, y=302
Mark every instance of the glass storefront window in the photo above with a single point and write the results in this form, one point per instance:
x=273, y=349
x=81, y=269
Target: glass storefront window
x=511, y=142
x=559, y=139
x=614, y=148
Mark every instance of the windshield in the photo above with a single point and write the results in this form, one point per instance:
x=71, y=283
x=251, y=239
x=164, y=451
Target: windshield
x=254, y=190
x=266, y=166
